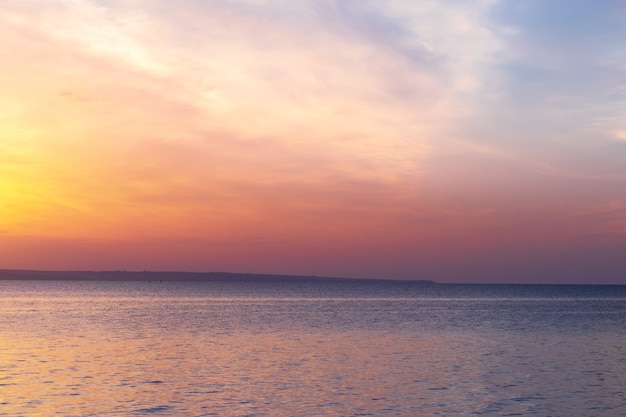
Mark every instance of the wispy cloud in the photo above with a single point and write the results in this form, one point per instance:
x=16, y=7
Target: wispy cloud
x=357, y=126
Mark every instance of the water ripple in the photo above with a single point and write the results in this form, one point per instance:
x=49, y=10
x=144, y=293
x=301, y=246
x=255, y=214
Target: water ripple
x=131, y=349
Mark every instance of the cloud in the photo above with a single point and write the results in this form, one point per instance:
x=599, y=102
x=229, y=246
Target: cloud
x=221, y=75
x=355, y=127
x=564, y=59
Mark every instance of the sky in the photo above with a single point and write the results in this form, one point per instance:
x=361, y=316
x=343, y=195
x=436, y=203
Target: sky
x=452, y=140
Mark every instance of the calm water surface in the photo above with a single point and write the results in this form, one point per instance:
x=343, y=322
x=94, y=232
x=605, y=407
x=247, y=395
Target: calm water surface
x=304, y=349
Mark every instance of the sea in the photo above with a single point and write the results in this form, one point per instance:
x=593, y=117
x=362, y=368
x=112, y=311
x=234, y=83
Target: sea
x=85, y=348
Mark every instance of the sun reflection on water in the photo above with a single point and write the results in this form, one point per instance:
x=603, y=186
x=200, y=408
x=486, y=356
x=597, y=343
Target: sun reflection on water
x=108, y=353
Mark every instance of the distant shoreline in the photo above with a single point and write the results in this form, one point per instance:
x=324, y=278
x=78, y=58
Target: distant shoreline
x=34, y=275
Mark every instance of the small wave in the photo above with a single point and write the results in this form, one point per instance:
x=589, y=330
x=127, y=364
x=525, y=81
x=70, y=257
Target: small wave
x=154, y=410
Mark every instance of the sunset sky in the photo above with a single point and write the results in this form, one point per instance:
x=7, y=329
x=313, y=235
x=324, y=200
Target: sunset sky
x=458, y=140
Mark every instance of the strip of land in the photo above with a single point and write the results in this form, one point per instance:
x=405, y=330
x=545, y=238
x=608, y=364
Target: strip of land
x=23, y=274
